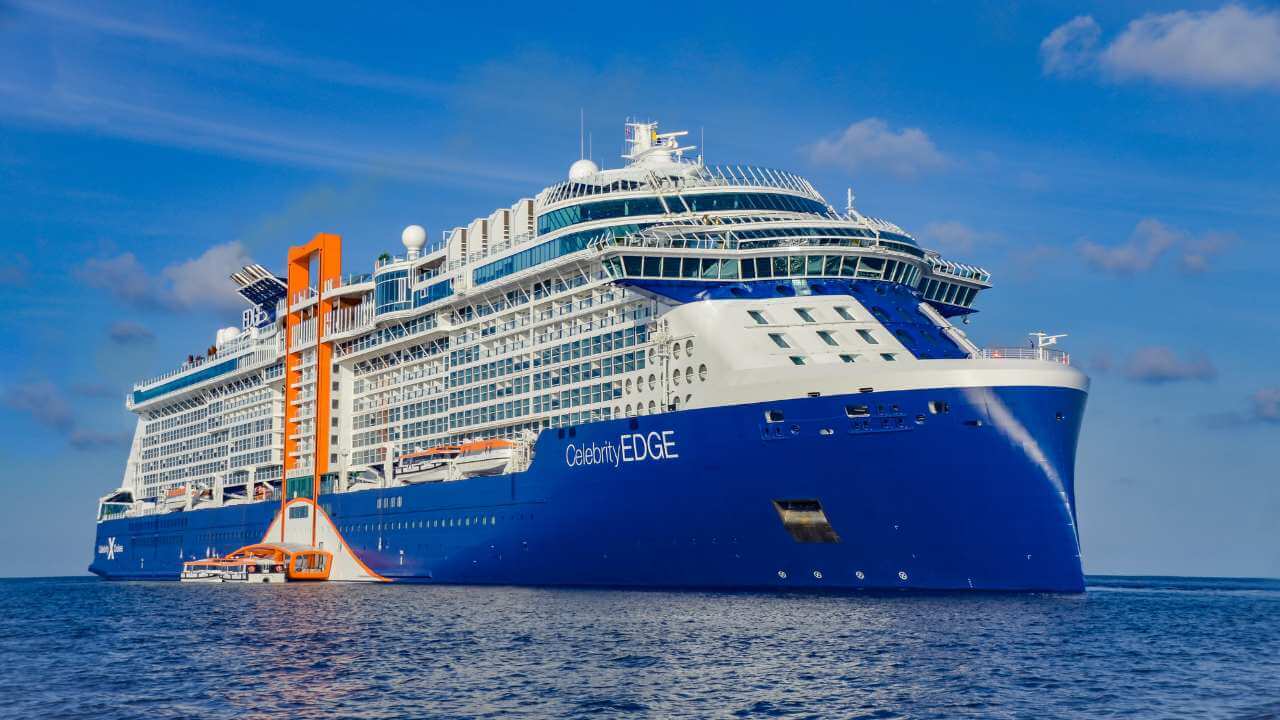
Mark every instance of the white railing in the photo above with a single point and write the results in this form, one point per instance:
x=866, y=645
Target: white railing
x=353, y=279
x=691, y=176
x=1026, y=353
x=227, y=350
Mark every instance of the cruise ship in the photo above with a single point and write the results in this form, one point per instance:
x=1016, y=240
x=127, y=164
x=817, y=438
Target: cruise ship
x=666, y=374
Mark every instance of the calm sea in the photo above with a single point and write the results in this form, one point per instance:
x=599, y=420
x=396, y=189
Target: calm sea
x=1130, y=647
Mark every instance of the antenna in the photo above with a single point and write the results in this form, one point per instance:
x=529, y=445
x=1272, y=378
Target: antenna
x=590, y=152
x=582, y=125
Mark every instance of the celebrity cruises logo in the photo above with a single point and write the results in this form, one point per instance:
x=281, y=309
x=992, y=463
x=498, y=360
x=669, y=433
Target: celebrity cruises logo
x=110, y=549
x=630, y=447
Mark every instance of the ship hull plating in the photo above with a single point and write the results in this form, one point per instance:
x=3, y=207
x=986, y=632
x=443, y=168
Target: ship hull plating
x=946, y=489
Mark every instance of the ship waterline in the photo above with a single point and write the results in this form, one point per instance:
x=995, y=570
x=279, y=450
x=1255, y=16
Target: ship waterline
x=662, y=375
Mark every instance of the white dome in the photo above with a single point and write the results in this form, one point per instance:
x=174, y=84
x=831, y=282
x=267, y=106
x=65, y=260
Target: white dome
x=414, y=237
x=583, y=168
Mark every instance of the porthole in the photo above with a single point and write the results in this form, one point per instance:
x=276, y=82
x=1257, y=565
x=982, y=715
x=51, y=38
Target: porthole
x=653, y=407
x=628, y=409
x=675, y=377
x=688, y=348
x=688, y=399
x=628, y=386
x=675, y=403
x=702, y=373
x=653, y=381
x=675, y=350
x=688, y=375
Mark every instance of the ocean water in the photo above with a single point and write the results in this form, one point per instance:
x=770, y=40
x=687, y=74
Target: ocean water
x=1129, y=647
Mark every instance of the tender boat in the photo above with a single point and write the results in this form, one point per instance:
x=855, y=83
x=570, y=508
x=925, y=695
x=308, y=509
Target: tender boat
x=262, y=563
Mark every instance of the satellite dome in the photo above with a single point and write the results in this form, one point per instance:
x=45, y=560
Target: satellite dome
x=583, y=168
x=414, y=238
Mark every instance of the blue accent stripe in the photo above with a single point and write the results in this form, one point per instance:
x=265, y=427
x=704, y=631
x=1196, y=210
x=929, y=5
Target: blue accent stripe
x=198, y=376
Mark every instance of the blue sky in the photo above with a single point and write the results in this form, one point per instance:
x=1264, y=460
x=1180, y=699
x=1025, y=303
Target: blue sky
x=1114, y=166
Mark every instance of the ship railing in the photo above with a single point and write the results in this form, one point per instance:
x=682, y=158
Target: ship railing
x=227, y=350
x=961, y=271
x=352, y=279
x=304, y=295
x=692, y=176
x=1027, y=353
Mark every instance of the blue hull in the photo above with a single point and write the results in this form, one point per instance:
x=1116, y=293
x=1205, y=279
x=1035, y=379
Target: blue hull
x=978, y=495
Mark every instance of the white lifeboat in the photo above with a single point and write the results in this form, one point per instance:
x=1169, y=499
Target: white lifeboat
x=431, y=465
x=486, y=457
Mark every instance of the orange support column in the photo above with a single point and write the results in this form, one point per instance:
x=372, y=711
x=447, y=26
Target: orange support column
x=325, y=251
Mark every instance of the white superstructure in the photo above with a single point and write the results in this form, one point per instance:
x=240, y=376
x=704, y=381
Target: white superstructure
x=662, y=285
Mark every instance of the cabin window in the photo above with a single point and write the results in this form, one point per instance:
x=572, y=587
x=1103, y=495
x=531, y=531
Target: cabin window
x=779, y=340
x=299, y=512
x=798, y=360
x=758, y=317
x=845, y=357
x=843, y=312
x=856, y=410
x=867, y=336
x=805, y=315
x=773, y=416
x=827, y=337
x=889, y=357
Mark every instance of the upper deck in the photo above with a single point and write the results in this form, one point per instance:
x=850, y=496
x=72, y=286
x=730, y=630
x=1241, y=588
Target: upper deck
x=660, y=202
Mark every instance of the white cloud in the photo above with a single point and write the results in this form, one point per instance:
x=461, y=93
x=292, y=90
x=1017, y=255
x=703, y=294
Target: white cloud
x=1231, y=47
x=871, y=144
x=954, y=235
x=200, y=283
x=1159, y=365
x=1150, y=240
x=206, y=280
x=1071, y=47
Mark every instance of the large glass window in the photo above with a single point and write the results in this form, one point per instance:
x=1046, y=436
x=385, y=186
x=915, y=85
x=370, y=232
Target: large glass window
x=549, y=250
x=391, y=292
x=608, y=209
